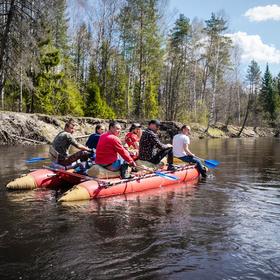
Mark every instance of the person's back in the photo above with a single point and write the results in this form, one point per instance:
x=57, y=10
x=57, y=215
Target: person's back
x=181, y=149
x=147, y=145
x=150, y=147
x=178, y=143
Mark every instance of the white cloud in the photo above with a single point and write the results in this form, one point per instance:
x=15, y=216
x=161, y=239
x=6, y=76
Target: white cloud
x=263, y=13
x=252, y=47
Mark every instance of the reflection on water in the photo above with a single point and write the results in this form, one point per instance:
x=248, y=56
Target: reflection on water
x=225, y=227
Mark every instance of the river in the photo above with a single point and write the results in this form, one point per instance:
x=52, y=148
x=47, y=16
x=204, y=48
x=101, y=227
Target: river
x=224, y=227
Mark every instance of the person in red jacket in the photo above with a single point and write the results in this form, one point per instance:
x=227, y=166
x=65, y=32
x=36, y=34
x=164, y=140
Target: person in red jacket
x=109, y=147
x=132, y=139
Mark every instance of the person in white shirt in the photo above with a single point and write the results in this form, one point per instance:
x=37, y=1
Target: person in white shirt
x=181, y=149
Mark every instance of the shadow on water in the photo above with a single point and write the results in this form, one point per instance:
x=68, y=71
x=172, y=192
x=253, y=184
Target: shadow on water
x=224, y=227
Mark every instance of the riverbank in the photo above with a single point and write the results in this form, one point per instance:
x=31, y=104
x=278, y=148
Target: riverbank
x=22, y=128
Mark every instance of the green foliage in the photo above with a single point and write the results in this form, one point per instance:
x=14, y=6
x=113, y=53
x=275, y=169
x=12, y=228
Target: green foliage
x=215, y=132
x=118, y=88
x=201, y=115
x=96, y=106
x=269, y=97
x=55, y=94
x=151, y=102
x=142, y=52
x=253, y=75
x=126, y=68
x=181, y=33
x=72, y=103
x=218, y=49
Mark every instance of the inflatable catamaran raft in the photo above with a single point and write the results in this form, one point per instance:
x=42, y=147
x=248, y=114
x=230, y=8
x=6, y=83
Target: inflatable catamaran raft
x=86, y=187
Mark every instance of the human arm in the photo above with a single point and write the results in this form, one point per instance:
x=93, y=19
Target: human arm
x=119, y=148
x=84, y=148
x=79, y=146
x=187, y=150
x=154, y=139
x=186, y=144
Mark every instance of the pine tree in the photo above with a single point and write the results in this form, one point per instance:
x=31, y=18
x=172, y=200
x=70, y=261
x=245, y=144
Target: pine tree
x=96, y=106
x=268, y=96
x=175, y=92
x=142, y=52
x=55, y=94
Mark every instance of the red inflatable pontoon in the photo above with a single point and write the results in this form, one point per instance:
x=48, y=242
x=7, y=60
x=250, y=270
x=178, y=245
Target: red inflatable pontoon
x=92, y=189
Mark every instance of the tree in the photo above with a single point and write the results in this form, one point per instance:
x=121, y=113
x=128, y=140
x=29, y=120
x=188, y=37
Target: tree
x=55, y=93
x=269, y=97
x=217, y=59
x=81, y=53
x=176, y=68
x=253, y=78
x=96, y=105
x=141, y=49
x=16, y=38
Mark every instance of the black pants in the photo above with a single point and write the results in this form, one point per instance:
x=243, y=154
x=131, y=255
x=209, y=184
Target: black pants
x=82, y=155
x=161, y=154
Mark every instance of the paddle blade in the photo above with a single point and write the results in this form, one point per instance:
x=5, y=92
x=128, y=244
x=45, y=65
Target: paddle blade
x=167, y=176
x=35, y=159
x=211, y=163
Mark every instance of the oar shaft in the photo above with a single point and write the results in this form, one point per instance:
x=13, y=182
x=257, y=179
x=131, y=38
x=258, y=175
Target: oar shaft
x=158, y=173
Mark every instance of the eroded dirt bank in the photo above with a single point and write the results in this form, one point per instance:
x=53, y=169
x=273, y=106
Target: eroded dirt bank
x=33, y=129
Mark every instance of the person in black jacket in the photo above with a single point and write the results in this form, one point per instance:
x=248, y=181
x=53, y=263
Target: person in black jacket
x=152, y=149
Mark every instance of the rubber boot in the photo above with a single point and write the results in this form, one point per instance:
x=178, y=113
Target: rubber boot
x=123, y=171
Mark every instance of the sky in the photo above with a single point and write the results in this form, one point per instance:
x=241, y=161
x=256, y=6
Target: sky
x=253, y=24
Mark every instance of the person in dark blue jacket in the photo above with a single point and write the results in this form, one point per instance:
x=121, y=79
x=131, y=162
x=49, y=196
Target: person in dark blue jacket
x=94, y=138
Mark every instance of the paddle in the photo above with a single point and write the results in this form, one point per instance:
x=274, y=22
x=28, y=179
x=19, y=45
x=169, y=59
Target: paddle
x=35, y=159
x=210, y=163
x=160, y=174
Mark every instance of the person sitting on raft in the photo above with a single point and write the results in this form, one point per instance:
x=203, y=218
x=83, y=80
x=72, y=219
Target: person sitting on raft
x=109, y=147
x=181, y=149
x=151, y=149
x=94, y=138
x=132, y=139
x=62, y=142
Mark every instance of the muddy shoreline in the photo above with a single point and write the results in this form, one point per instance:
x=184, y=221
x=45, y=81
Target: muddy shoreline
x=33, y=129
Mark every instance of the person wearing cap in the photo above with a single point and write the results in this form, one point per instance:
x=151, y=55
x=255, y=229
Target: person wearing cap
x=181, y=149
x=152, y=149
x=109, y=147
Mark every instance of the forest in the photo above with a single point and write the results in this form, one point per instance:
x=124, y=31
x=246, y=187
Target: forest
x=123, y=59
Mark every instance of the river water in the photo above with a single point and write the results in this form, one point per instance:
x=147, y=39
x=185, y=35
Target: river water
x=224, y=227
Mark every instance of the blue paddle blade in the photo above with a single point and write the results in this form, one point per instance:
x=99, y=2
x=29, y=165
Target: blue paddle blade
x=35, y=159
x=167, y=176
x=211, y=163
